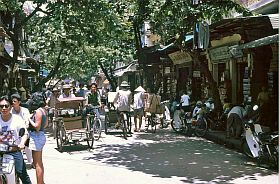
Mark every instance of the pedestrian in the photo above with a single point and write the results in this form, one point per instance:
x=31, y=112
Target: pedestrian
x=26, y=116
x=13, y=123
x=185, y=102
x=123, y=99
x=81, y=91
x=139, y=98
x=51, y=103
x=37, y=135
x=235, y=121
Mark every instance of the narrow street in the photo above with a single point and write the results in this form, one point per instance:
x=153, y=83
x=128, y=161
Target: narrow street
x=163, y=157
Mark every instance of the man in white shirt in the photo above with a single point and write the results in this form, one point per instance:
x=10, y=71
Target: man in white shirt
x=234, y=121
x=10, y=126
x=123, y=99
x=26, y=116
x=139, y=97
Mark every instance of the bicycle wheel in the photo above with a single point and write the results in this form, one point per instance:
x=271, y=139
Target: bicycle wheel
x=129, y=124
x=60, y=137
x=90, y=131
x=153, y=123
x=106, y=123
x=97, y=127
x=124, y=126
x=200, y=127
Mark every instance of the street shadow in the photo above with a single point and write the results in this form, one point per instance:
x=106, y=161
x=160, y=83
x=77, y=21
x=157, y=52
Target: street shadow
x=166, y=155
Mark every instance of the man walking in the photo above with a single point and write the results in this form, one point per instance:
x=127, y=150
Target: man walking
x=139, y=97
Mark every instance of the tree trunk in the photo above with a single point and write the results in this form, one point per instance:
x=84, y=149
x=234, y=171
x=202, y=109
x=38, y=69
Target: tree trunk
x=111, y=79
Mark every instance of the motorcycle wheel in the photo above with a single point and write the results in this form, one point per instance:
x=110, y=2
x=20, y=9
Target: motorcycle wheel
x=245, y=148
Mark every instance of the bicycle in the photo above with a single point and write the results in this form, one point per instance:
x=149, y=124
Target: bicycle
x=94, y=122
x=125, y=123
x=151, y=122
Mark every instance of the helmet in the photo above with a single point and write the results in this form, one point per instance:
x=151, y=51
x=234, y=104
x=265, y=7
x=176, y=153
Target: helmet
x=199, y=104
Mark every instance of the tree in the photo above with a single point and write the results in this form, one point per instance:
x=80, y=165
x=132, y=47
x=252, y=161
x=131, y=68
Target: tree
x=68, y=31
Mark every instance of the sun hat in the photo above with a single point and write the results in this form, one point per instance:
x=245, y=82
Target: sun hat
x=140, y=89
x=66, y=86
x=124, y=84
x=55, y=89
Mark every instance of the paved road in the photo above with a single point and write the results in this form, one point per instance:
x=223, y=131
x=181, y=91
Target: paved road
x=145, y=158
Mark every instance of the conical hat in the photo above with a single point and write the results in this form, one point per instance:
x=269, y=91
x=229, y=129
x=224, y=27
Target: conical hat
x=140, y=89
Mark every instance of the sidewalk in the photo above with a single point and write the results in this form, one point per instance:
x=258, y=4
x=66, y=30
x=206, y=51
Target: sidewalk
x=219, y=137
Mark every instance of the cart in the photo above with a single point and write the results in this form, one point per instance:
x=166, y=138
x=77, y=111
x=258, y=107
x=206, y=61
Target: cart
x=111, y=118
x=71, y=128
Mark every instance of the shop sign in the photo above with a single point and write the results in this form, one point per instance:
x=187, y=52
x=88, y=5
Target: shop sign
x=180, y=57
x=220, y=53
x=196, y=74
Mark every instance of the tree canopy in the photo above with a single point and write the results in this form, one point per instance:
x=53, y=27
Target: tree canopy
x=74, y=37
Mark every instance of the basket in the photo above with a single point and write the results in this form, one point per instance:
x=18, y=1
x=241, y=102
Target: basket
x=6, y=165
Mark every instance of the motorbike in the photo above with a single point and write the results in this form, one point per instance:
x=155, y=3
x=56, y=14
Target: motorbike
x=7, y=162
x=258, y=145
x=165, y=118
x=189, y=124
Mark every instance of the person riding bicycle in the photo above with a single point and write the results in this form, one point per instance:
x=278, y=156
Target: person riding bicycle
x=123, y=98
x=10, y=125
x=93, y=101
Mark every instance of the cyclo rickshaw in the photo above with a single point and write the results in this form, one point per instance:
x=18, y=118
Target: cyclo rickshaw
x=71, y=128
x=111, y=117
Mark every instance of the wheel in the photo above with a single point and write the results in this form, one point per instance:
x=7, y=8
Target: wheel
x=153, y=123
x=177, y=122
x=97, y=127
x=54, y=125
x=129, y=124
x=90, y=132
x=106, y=123
x=60, y=137
x=201, y=127
x=124, y=126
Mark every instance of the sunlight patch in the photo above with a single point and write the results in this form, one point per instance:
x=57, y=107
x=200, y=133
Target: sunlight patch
x=193, y=163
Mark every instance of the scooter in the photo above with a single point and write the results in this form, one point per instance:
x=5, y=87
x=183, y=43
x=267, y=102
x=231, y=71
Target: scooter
x=7, y=162
x=258, y=145
x=165, y=118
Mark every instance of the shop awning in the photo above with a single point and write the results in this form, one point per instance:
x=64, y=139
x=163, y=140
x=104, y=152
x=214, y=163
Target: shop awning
x=260, y=42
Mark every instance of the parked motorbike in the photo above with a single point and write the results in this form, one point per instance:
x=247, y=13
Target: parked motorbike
x=188, y=123
x=165, y=118
x=7, y=162
x=259, y=145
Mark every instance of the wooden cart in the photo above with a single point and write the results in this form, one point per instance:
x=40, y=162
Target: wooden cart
x=71, y=128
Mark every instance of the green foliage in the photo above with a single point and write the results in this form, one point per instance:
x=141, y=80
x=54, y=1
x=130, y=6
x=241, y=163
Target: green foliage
x=73, y=26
